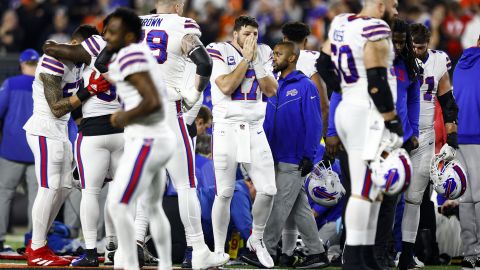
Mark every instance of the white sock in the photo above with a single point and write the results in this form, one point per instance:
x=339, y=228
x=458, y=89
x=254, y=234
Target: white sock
x=410, y=220
x=124, y=226
x=110, y=234
x=161, y=234
x=220, y=221
x=260, y=212
x=356, y=221
x=42, y=210
x=89, y=215
x=372, y=222
x=191, y=216
x=141, y=221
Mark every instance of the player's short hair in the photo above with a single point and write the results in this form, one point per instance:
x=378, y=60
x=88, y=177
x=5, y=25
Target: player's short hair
x=203, y=144
x=244, y=20
x=84, y=31
x=420, y=33
x=292, y=46
x=130, y=21
x=205, y=114
x=296, y=31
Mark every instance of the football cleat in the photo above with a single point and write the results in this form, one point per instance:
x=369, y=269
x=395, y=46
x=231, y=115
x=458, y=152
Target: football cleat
x=204, y=259
x=87, y=259
x=257, y=246
x=44, y=256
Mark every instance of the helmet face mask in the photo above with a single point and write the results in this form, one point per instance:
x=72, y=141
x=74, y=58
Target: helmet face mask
x=448, y=177
x=324, y=186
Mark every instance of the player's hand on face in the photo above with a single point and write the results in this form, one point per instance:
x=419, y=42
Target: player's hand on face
x=118, y=119
x=248, y=50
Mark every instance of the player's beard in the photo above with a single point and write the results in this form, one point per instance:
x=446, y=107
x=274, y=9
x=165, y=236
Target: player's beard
x=280, y=67
x=388, y=18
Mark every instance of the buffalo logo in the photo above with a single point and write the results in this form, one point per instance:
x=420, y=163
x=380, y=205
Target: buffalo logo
x=449, y=186
x=292, y=92
x=322, y=193
x=391, y=178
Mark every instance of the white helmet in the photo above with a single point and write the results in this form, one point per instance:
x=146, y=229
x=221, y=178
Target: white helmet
x=448, y=177
x=392, y=171
x=324, y=186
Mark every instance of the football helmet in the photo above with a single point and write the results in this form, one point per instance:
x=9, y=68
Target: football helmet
x=392, y=171
x=448, y=177
x=324, y=186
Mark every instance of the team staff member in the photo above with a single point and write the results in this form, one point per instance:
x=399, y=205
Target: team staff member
x=16, y=158
x=467, y=95
x=293, y=114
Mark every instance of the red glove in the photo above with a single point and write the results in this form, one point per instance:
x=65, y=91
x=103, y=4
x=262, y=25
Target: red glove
x=97, y=85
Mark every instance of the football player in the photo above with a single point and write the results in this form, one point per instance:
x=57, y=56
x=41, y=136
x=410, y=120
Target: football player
x=56, y=92
x=435, y=84
x=173, y=40
x=360, y=48
x=242, y=74
x=149, y=142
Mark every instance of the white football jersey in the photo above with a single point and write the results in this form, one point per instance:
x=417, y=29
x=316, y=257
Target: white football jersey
x=136, y=58
x=437, y=64
x=164, y=33
x=306, y=62
x=103, y=103
x=43, y=122
x=348, y=35
x=245, y=104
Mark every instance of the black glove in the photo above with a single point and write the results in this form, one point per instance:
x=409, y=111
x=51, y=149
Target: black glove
x=306, y=166
x=395, y=126
x=452, y=140
x=409, y=145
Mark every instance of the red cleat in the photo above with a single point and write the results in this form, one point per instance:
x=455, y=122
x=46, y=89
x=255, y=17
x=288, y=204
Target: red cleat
x=44, y=256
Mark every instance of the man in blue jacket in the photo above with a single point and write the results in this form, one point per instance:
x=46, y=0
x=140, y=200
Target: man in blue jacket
x=293, y=126
x=466, y=86
x=16, y=158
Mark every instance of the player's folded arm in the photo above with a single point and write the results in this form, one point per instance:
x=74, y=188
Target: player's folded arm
x=74, y=53
x=228, y=81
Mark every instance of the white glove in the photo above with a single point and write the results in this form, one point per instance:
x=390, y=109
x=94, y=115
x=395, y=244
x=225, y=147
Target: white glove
x=190, y=97
x=447, y=152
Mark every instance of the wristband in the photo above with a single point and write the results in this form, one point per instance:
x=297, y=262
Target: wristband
x=83, y=94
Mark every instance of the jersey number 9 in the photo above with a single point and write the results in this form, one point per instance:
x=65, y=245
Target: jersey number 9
x=157, y=40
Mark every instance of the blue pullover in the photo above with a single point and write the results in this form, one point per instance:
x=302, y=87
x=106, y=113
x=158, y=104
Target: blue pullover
x=16, y=107
x=293, y=121
x=466, y=89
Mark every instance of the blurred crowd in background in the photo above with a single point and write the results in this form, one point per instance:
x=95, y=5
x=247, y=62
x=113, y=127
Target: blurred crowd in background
x=28, y=23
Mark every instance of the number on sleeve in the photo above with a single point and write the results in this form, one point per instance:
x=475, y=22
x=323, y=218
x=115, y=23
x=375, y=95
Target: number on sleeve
x=69, y=88
x=352, y=75
x=247, y=91
x=157, y=40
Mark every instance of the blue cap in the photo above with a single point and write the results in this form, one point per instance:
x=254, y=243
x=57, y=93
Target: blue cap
x=28, y=55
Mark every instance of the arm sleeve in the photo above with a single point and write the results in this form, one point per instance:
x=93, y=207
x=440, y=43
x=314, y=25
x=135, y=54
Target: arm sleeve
x=312, y=118
x=334, y=101
x=242, y=216
x=4, y=96
x=413, y=106
x=131, y=62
